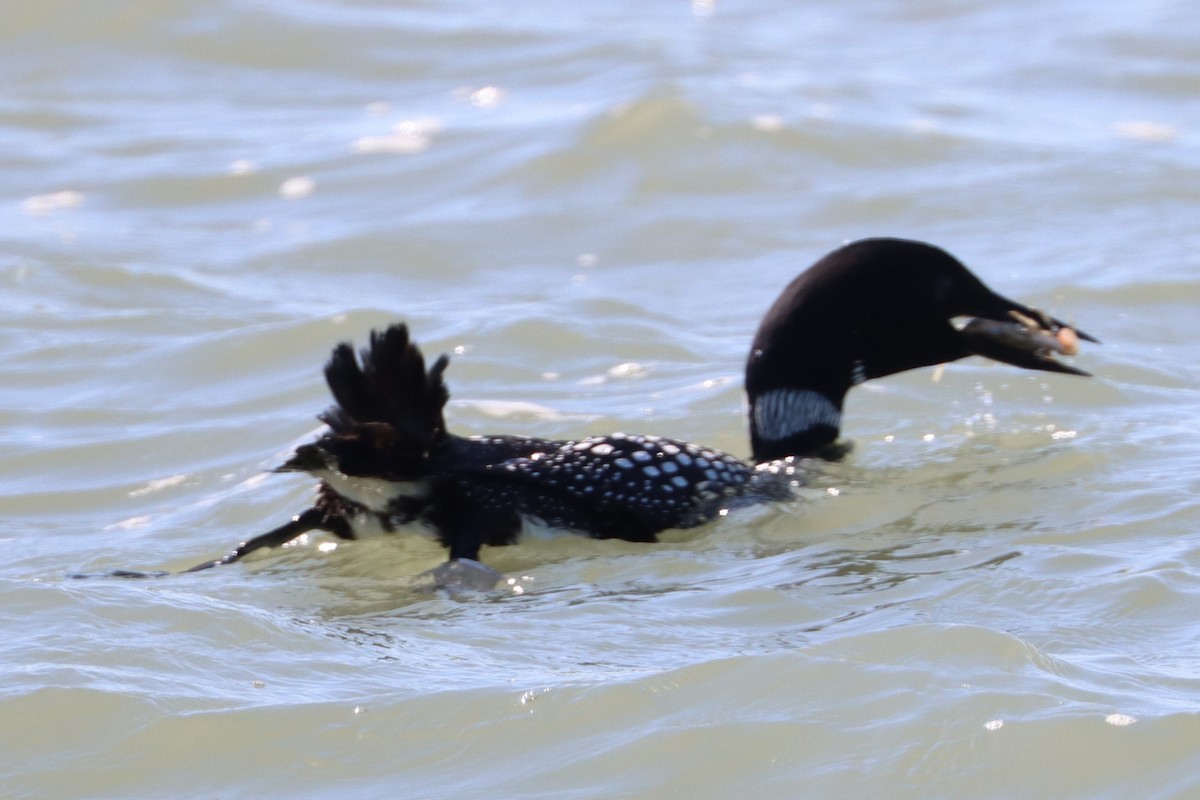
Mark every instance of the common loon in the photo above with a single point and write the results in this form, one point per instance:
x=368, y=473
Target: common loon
x=871, y=308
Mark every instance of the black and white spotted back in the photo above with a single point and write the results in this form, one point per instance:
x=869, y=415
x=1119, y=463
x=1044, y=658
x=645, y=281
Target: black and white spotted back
x=662, y=483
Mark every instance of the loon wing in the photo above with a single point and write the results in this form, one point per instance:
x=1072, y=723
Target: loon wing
x=617, y=486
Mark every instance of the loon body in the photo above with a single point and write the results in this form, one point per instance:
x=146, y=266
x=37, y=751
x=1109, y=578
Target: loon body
x=869, y=309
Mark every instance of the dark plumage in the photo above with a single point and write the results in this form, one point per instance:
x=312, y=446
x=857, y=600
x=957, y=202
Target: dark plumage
x=866, y=310
x=870, y=309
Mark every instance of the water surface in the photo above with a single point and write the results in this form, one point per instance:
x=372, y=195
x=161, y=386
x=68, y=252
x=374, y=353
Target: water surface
x=589, y=208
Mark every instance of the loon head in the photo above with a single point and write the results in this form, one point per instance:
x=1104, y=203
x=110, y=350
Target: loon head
x=369, y=465
x=385, y=424
x=371, y=449
x=872, y=308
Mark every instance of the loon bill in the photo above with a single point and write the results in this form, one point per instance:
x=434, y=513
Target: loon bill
x=869, y=309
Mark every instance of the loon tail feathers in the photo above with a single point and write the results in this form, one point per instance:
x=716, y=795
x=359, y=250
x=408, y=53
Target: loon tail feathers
x=389, y=384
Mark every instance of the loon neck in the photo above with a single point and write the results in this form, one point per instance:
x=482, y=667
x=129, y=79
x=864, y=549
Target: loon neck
x=791, y=421
x=796, y=395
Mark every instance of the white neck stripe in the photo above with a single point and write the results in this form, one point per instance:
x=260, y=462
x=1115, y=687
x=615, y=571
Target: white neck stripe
x=783, y=413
